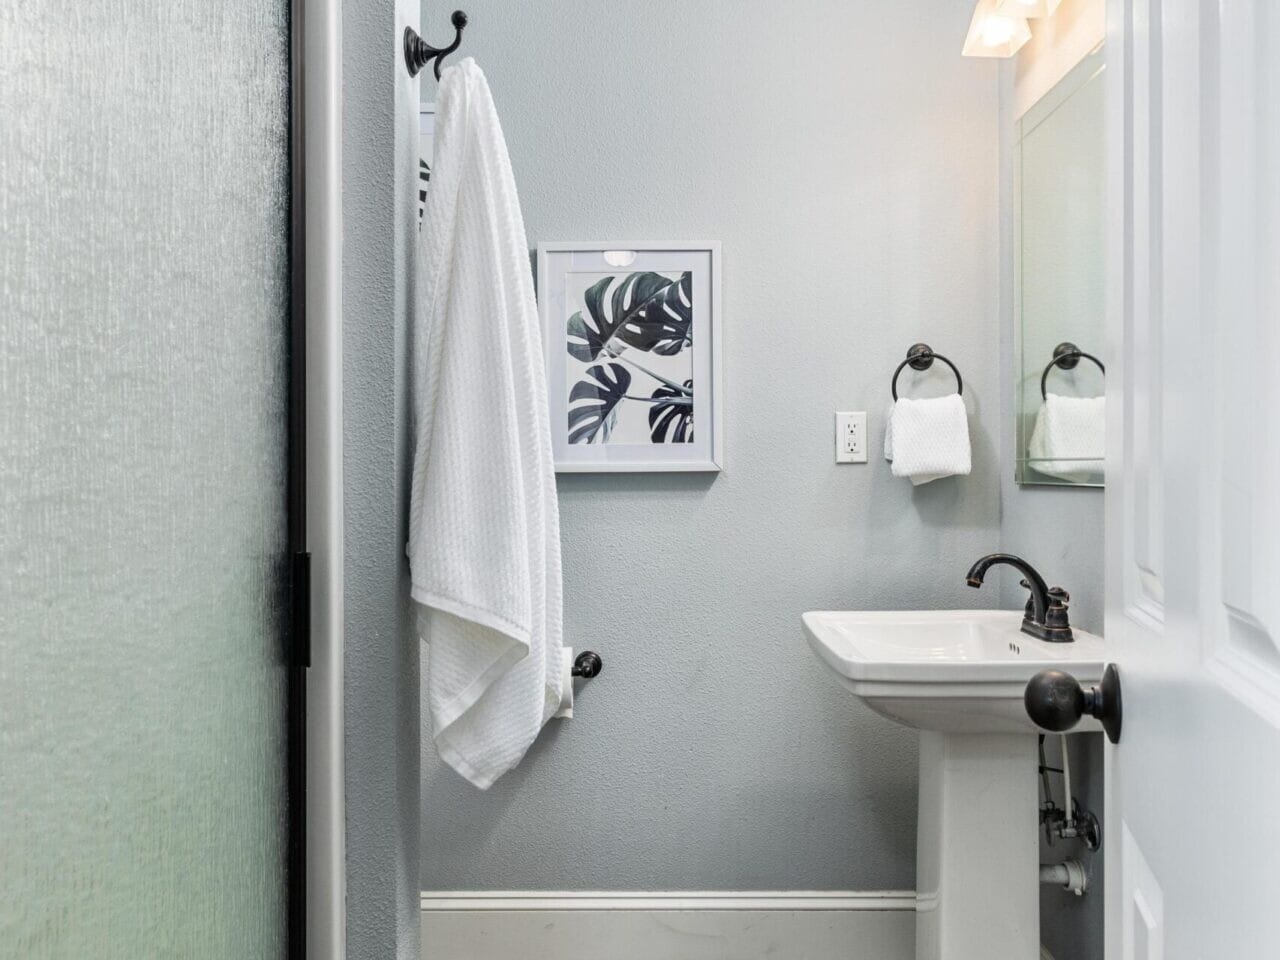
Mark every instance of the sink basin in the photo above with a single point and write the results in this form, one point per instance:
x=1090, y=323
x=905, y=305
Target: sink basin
x=953, y=671
x=958, y=676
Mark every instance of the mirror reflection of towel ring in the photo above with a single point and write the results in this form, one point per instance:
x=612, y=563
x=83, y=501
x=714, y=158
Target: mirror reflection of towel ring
x=921, y=357
x=1066, y=355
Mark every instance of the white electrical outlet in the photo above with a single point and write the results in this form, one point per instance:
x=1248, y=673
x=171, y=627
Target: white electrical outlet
x=851, y=437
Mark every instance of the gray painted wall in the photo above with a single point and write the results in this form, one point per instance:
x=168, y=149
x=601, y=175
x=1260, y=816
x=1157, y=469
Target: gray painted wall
x=381, y=655
x=847, y=157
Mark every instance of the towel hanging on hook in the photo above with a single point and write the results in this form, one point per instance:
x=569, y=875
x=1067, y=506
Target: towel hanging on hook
x=418, y=53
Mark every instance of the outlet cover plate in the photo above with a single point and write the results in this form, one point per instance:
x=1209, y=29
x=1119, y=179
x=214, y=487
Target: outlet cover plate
x=851, y=437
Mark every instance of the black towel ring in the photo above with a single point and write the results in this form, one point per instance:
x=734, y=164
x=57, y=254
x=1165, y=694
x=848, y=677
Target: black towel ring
x=921, y=357
x=1067, y=356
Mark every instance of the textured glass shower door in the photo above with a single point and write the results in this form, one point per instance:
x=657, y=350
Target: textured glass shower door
x=145, y=587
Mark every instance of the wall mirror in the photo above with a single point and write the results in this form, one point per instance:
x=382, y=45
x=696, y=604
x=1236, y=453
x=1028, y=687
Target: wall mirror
x=1059, y=271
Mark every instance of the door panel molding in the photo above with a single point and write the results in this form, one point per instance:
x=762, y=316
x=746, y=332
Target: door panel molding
x=1143, y=933
x=1140, y=485
x=1244, y=638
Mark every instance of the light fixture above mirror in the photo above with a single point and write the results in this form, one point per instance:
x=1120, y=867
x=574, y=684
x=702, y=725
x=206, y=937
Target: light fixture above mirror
x=992, y=34
x=1031, y=9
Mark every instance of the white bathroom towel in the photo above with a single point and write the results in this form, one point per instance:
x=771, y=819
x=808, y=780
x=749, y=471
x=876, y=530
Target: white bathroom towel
x=1069, y=437
x=928, y=439
x=484, y=530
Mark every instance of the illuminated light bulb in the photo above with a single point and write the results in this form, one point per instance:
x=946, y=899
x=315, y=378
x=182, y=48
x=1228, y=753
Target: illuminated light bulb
x=997, y=31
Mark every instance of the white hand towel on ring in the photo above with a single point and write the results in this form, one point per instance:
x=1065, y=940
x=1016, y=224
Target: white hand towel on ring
x=928, y=439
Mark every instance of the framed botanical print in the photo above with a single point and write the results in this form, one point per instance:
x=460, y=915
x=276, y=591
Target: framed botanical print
x=632, y=338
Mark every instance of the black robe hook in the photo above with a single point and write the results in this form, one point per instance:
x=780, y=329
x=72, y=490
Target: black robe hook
x=418, y=53
x=587, y=664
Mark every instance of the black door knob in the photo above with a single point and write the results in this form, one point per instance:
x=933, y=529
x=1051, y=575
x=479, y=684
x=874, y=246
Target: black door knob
x=1055, y=701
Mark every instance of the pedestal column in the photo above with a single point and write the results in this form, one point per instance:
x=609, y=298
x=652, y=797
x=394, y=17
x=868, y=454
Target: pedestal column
x=978, y=851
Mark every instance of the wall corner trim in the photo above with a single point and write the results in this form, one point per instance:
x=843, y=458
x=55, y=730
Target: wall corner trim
x=322, y=94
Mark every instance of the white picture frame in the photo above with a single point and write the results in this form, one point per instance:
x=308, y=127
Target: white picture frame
x=619, y=406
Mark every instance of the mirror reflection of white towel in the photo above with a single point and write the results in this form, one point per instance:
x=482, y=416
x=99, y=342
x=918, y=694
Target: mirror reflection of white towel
x=1069, y=437
x=928, y=439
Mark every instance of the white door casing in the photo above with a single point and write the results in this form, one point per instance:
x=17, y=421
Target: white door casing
x=1193, y=484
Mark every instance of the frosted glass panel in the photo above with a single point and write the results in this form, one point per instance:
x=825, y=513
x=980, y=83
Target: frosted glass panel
x=143, y=192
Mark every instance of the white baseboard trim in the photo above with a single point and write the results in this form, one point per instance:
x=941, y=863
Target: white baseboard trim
x=669, y=900
x=689, y=925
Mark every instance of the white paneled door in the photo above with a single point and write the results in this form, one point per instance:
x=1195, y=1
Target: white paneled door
x=1193, y=486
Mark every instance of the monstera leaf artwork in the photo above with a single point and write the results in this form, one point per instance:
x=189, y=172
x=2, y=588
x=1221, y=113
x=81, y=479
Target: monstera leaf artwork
x=593, y=403
x=672, y=415
x=641, y=325
x=629, y=332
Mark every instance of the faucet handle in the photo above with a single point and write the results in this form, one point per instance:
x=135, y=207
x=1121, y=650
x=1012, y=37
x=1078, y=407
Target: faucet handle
x=1029, y=611
x=1057, y=617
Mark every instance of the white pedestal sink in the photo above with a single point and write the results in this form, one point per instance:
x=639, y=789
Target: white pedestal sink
x=958, y=677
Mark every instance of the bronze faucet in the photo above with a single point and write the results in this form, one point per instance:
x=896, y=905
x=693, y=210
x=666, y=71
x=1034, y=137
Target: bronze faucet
x=1046, y=613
